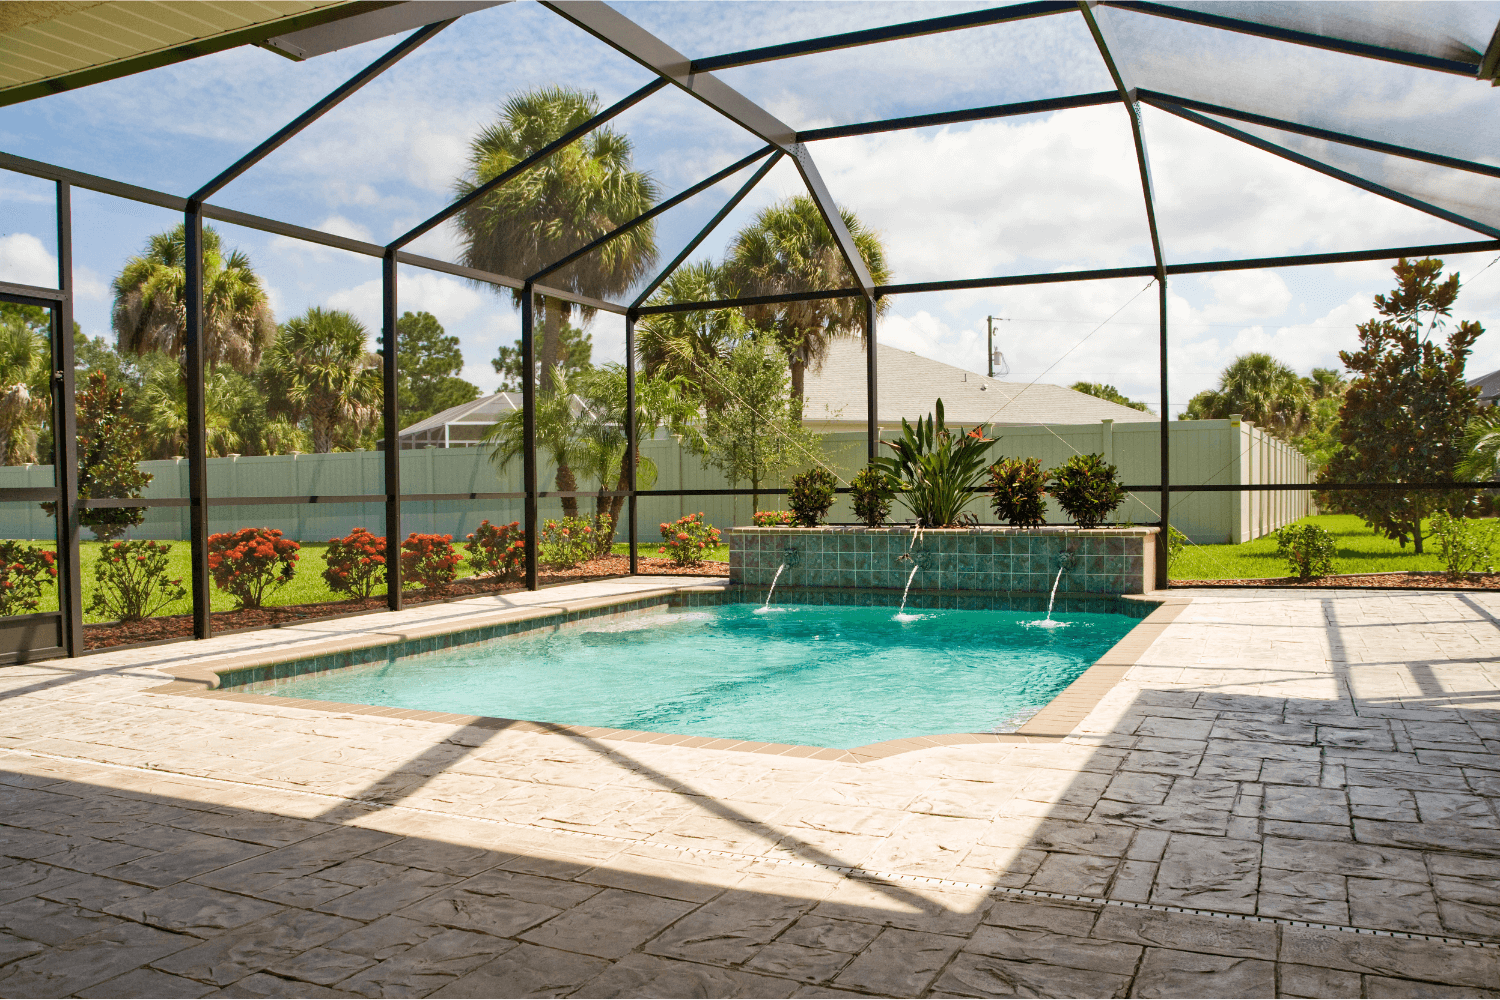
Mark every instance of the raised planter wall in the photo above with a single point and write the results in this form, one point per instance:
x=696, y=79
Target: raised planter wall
x=1025, y=560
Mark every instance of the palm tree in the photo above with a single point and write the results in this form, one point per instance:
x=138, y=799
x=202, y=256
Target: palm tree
x=788, y=248
x=25, y=387
x=150, y=312
x=319, y=370
x=1261, y=389
x=687, y=346
x=165, y=394
x=560, y=430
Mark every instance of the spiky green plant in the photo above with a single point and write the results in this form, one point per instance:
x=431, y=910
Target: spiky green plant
x=937, y=467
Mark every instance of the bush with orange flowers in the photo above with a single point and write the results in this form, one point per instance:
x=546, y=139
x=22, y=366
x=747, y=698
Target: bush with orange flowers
x=132, y=581
x=497, y=550
x=686, y=540
x=430, y=560
x=356, y=563
x=24, y=571
x=570, y=541
x=252, y=563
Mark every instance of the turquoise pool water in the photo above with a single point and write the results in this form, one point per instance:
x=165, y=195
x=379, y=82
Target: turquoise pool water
x=809, y=674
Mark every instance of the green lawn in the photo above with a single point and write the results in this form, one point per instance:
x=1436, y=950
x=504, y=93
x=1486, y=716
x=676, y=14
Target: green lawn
x=719, y=553
x=1360, y=550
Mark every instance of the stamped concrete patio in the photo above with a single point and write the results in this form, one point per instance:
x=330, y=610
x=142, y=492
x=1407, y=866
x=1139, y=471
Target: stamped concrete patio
x=1292, y=794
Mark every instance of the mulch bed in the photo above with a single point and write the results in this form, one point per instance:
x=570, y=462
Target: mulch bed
x=1413, y=580
x=106, y=634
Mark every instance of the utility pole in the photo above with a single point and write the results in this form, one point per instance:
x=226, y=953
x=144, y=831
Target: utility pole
x=995, y=355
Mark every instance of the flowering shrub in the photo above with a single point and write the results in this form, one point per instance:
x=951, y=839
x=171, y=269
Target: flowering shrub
x=773, y=518
x=23, y=572
x=430, y=560
x=498, y=550
x=251, y=563
x=132, y=581
x=686, y=540
x=566, y=543
x=356, y=563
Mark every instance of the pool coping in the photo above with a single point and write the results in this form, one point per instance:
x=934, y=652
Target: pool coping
x=1053, y=724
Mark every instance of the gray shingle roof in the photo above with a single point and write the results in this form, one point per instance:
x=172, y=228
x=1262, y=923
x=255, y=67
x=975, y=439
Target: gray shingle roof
x=1489, y=387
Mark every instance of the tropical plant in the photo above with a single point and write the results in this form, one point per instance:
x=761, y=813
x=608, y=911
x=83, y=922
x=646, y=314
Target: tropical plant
x=132, y=581
x=150, y=309
x=566, y=543
x=789, y=248
x=1102, y=391
x=872, y=491
x=756, y=430
x=1017, y=489
x=228, y=398
x=773, y=518
x=689, y=345
x=1481, y=446
x=25, y=389
x=1466, y=544
x=429, y=365
x=558, y=433
x=1177, y=544
x=24, y=572
x=1308, y=548
x=574, y=196
x=937, y=468
x=497, y=550
x=1405, y=413
x=109, y=448
x=251, y=564
x=1260, y=389
x=355, y=563
x=1087, y=488
x=810, y=496
x=320, y=371
x=430, y=561
x=686, y=540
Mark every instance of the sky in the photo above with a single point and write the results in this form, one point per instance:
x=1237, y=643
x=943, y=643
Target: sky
x=1050, y=192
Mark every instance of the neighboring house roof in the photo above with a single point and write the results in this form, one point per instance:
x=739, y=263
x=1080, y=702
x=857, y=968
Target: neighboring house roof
x=1489, y=388
x=909, y=384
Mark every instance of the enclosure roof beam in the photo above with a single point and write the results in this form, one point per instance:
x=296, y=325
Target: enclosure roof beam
x=403, y=48
x=670, y=203
x=1342, y=175
x=1297, y=37
x=890, y=33
x=958, y=117
x=625, y=36
x=567, y=139
x=1343, y=138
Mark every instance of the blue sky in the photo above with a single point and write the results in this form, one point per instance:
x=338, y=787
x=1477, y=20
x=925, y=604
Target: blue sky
x=1049, y=192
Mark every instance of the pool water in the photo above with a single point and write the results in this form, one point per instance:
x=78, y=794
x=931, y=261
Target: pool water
x=808, y=674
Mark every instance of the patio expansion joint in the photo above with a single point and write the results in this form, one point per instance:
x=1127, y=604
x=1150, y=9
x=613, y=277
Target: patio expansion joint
x=855, y=873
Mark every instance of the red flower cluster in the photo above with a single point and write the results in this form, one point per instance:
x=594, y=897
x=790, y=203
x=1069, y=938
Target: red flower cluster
x=430, y=560
x=24, y=571
x=251, y=563
x=686, y=540
x=498, y=550
x=356, y=563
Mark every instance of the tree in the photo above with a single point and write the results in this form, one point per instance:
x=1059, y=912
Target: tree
x=686, y=345
x=1260, y=389
x=1406, y=410
x=756, y=430
x=788, y=248
x=558, y=433
x=575, y=354
x=25, y=387
x=108, y=452
x=1110, y=393
x=1319, y=436
x=228, y=397
x=320, y=371
x=429, y=362
x=150, y=311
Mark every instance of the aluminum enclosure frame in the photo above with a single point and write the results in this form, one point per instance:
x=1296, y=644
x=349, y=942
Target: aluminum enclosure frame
x=694, y=77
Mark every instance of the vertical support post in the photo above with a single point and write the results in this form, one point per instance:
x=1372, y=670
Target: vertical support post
x=65, y=433
x=630, y=458
x=197, y=420
x=528, y=427
x=872, y=418
x=1162, y=579
x=390, y=416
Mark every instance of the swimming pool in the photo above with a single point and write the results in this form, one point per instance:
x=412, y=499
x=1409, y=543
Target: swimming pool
x=833, y=676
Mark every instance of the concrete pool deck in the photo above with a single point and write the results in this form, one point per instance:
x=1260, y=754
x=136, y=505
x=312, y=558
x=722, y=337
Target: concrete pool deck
x=1291, y=793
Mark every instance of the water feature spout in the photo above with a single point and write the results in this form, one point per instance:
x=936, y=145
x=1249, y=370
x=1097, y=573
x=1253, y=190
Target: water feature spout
x=1048, y=622
x=770, y=593
x=907, y=589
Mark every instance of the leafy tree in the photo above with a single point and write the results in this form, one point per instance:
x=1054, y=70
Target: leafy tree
x=1262, y=390
x=150, y=311
x=1110, y=393
x=25, y=388
x=1405, y=412
x=1319, y=437
x=558, y=433
x=228, y=396
x=756, y=430
x=788, y=248
x=684, y=345
x=429, y=361
x=320, y=371
x=575, y=353
x=108, y=452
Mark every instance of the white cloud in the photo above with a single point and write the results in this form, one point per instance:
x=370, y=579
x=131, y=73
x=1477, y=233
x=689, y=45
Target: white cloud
x=449, y=299
x=24, y=259
x=1240, y=295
